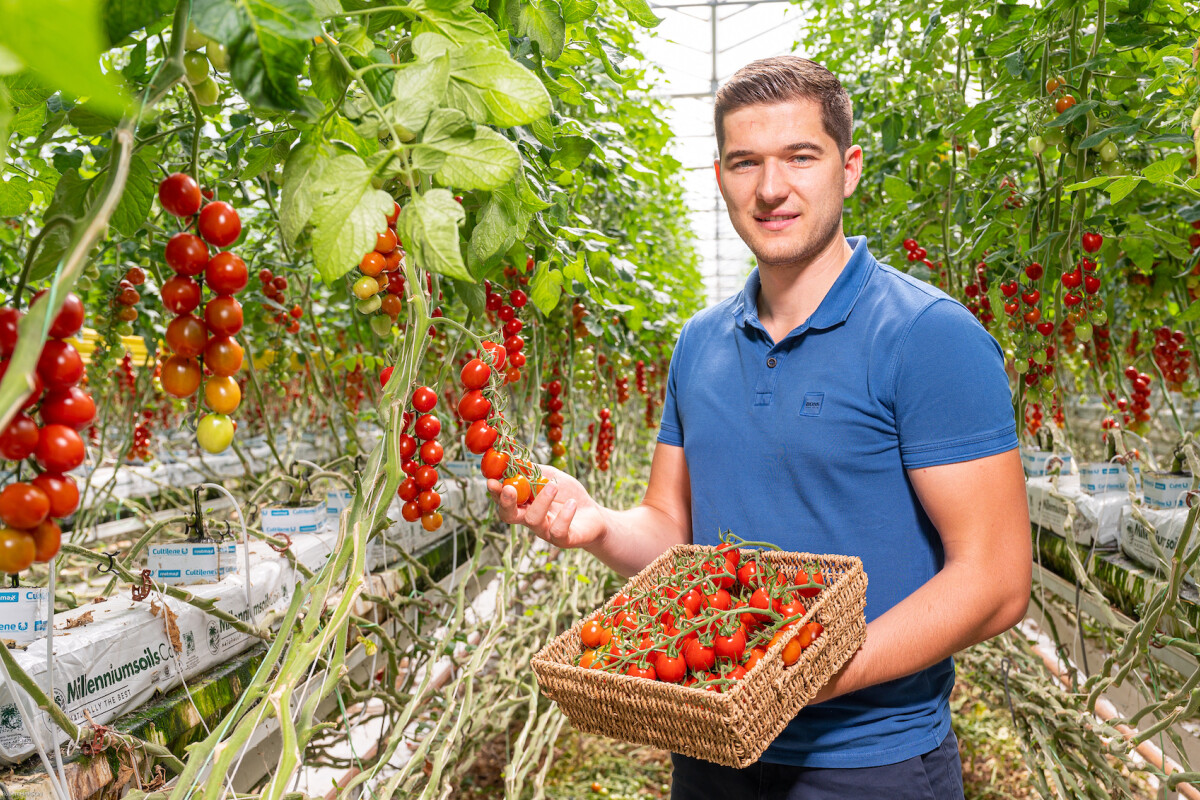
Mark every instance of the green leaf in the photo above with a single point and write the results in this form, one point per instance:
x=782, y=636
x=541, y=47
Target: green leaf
x=472, y=295
x=542, y=21
x=70, y=199
x=329, y=78
x=303, y=166
x=122, y=17
x=596, y=48
x=89, y=122
x=488, y=86
x=1190, y=314
x=28, y=121
x=1121, y=187
x=545, y=290
x=61, y=40
x=27, y=89
x=485, y=161
x=1099, y=180
x=1073, y=113
x=15, y=197
x=347, y=215
x=639, y=11
x=258, y=159
x=571, y=151
x=499, y=224
x=578, y=10
x=897, y=188
x=1015, y=63
x=1099, y=136
x=268, y=42
x=457, y=21
x=428, y=226
x=134, y=207
x=1162, y=170
x=417, y=90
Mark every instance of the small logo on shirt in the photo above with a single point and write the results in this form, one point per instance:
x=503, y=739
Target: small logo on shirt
x=812, y=404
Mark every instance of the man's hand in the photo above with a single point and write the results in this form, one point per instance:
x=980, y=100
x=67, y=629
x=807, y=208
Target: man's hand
x=563, y=513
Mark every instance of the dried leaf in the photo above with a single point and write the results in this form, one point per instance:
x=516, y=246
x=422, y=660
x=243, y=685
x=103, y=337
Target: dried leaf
x=78, y=622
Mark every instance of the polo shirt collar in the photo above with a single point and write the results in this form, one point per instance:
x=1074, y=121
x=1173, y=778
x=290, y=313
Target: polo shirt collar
x=834, y=308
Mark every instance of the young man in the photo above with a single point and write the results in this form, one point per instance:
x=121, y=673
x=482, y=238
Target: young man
x=835, y=405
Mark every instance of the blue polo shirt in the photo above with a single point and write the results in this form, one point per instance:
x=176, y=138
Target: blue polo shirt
x=805, y=443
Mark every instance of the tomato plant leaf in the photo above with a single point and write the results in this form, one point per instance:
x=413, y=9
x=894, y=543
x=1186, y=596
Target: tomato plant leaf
x=428, y=227
x=488, y=86
x=15, y=196
x=484, y=161
x=29, y=120
x=1015, y=63
x=499, y=224
x=542, y=21
x=897, y=188
x=134, y=207
x=417, y=90
x=1099, y=136
x=347, y=215
x=545, y=290
x=1165, y=168
x=303, y=166
x=329, y=78
x=1099, y=180
x=639, y=11
x=457, y=21
x=1073, y=113
x=571, y=151
x=61, y=40
x=1119, y=189
x=26, y=88
x=1190, y=314
x=122, y=17
x=578, y=10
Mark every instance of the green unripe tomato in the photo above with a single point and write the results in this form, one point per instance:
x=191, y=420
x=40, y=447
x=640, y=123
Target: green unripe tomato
x=1047, y=383
x=1071, y=161
x=1037, y=145
x=1108, y=152
x=1053, y=136
x=196, y=67
x=1099, y=317
x=1039, y=357
x=370, y=305
x=217, y=55
x=1112, y=169
x=1020, y=366
x=83, y=283
x=193, y=39
x=125, y=329
x=1033, y=395
x=214, y=432
x=1083, y=331
x=972, y=150
x=207, y=92
x=365, y=287
x=381, y=324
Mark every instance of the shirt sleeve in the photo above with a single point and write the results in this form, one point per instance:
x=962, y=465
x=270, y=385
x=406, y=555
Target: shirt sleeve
x=670, y=428
x=951, y=397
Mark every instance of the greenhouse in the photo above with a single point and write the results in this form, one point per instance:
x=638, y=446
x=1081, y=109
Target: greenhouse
x=599, y=398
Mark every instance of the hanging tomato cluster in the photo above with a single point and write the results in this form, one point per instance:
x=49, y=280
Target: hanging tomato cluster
x=28, y=509
x=212, y=338
x=380, y=286
x=706, y=623
x=418, y=490
x=1140, y=407
x=1173, y=359
x=506, y=312
x=127, y=295
x=552, y=403
x=273, y=287
x=605, y=439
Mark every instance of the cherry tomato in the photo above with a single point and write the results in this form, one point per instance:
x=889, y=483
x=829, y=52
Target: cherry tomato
x=394, y=215
x=671, y=669
x=427, y=427
x=512, y=375
x=187, y=254
x=223, y=355
x=385, y=375
x=223, y=316
x=392, y=304
x=638, y=671
x=180, y=376
x=9, y=319
x=554, y=434
x=1052, y=85
x=60, y=365
x=23, y=505
x=186, y=336
x=513, y=344
x=180, y=295
x=803, y=577
x=730, y=646
x=59, y=449
x=70, y=316
x=62, y=492
x=135, y=275
x=372, y=264
x=1092, y=242
x=179, y=194
x=516, y=360
x=792, y=650
x=494, y=464
x=475, y=374
x=17, y=550
x=222, y=394
x=72, y=406
x=431, y=521
x=497, y=352
x=809, y=633
x=593, y=634
x=521, y=484
x=47, y=539
x=220, y=224
x=426, y=477
x=424, y=399
x=19, y=439
x=226, y=274
x=431, y=452
x=748, y=575
x=385, y=242
x=428, y=501
x=699, y=657
x=407, y=490
x=410, y=511
x=474, y=406
x=1063, y=103
x=408, y=446
x=215, y=432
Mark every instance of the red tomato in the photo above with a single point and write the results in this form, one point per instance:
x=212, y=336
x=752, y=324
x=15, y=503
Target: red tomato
x=730, y=646
x=71, y=406
x=19, y=439
x=223, y=316
x=518, y=298
x=494, y=464
x=748, y=575
x=761, y=600
x=408, y=490
x=219, y=224
x=1092, y=242
x=62, y=492
x=180, y=376
x=513, y=344
x=226, y=274
x=10, y=318
x=691, y=602
x=803, y=577
x=431, y=452
x=521, y=484
x=554, y=434
x=17, y=550
x=699, y=657
x=671, y=669
x=516, y=360
x=431, y=521
x=47, y=539
x=637, y=671
x=792, y=650
x=480, y=437
x=60, y=365
x=475, y=374
x=385, y=375
x=385, y=242
x=223, y=355
x=70, y=316
x=593, y=634
x=512, y=375
x=474, y=406
x=410, y=511
x=179, y=194
x=427, y=427
x=424, y=399
x=755, y=656
x=426, y=477
x=408, y=446
x=810, y=633
x=720, y=600
x=23, y=505
x=187, y=254
x=59, y=449
x=187, y=335
x=793, y=609
x=497, y=353
x=428, y=501
x=180, y=295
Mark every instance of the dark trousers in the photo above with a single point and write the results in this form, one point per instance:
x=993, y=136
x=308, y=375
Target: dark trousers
x=936, y=775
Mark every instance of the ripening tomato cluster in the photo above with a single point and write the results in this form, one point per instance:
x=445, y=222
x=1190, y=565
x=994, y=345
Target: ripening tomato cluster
x=578, y=312
x=418, y=490
x=1013, y=200
x=978, y=303
x=28, y=509
x=1172, y=358
x=380, y=287
x=212, y=338
x=1063, y=101
x=127, y=295
x=552, y=403
x=1139, y=408
x=707, y=622
x=605, y=439
x=274, y=288
x=139, y=449
x=1033, y=418
x=506, y=312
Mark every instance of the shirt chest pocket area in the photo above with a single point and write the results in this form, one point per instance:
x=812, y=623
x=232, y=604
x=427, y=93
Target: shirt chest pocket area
x=826, y=422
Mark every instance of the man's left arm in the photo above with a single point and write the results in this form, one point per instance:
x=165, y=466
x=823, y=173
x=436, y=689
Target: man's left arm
x=979, y=509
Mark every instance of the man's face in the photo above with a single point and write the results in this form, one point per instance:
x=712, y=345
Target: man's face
x=784, y=180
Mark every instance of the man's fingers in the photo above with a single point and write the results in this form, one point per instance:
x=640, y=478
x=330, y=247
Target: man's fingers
x=561, y=524
x=535, y=514
x=506, y=501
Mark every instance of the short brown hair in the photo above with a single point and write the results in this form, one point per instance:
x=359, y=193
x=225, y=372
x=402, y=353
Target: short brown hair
x=782, y=79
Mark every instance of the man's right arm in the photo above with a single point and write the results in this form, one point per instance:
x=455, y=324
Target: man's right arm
x=566, y=516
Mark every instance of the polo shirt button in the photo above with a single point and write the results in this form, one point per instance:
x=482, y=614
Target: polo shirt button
x=771, y=362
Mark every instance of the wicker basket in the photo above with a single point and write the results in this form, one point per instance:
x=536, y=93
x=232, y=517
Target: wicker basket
x=731, y=728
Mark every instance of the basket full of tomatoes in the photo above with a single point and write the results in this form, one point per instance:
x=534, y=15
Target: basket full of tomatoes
x=709, y=651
